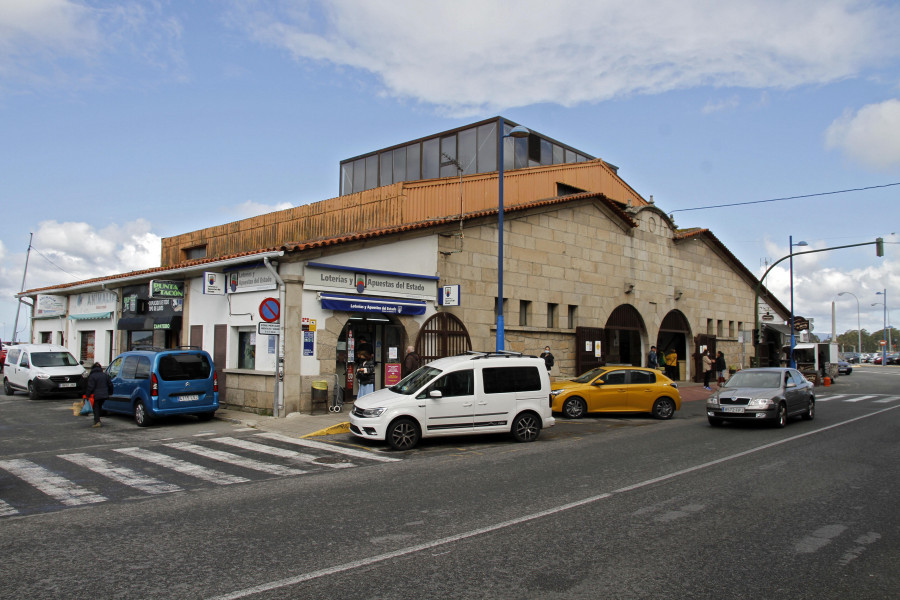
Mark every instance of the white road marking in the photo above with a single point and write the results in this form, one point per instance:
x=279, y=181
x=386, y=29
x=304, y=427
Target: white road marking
x=835, y=397
x=183, y=466
x=371, y=560
x=280, y=452
x=234, y=459
x=123, y=475
x=329, y=447
x=859, y=398
x=6, y=510
x=887, y=400
x=50, y=483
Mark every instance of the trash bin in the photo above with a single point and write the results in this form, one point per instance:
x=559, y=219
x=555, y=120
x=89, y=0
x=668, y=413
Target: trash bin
x=319, y=393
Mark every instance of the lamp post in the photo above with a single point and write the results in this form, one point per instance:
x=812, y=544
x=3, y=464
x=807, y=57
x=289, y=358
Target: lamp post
x=858, y=330
x=886, y=334
x=516, y=132
x=793, y=341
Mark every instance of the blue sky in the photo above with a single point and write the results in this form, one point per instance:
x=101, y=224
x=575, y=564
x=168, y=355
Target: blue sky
x=124, y=122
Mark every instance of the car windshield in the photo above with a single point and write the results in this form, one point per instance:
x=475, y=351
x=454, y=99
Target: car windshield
x=415, y=380
x=755, y=379
x=590, y=375
x=53, y=359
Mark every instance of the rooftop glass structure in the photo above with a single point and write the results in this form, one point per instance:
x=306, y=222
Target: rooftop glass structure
x=471, y=149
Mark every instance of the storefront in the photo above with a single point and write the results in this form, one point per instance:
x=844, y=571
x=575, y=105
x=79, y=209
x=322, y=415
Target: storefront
x=152, y=314
x=92, y=326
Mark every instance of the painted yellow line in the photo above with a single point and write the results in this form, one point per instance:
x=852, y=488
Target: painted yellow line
x=333, y=430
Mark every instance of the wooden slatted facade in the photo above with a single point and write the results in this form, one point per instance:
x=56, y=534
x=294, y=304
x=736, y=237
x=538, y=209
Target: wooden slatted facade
x=397, y=205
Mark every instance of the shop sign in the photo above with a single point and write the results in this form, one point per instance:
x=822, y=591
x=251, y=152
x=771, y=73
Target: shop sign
x=251, y=280
x=268, y=328
x=166, y=289
x=369, y=282
x=367, y=304
x=93, y=302
x=450, y=295
x=214, y=283
x=49, y=306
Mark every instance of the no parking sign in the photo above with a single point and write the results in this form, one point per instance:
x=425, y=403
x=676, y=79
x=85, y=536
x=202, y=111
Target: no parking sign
x=270, y=310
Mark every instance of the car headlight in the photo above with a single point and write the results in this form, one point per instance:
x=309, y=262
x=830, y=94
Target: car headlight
x=759, y=402
x=369, y=413
x=41, y=376
x=555, y=393
x=712, y=400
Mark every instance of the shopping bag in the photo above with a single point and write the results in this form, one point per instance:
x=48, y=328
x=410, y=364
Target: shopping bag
x=87, y=406
x=77, y=406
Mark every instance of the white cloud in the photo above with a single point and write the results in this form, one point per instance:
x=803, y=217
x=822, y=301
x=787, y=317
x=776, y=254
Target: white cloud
x=870, y=136
x=478, y=56
x=721, y=105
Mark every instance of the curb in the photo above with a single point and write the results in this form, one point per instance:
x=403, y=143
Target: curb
x=333, y=430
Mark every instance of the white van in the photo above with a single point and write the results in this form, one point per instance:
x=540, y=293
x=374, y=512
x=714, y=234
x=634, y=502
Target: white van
x=42, y=369
x=459, y=395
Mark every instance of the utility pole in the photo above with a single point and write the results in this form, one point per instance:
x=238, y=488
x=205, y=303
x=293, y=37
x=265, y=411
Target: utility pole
x=24, y=273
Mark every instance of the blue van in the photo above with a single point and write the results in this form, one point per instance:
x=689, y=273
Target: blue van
x=158, y=383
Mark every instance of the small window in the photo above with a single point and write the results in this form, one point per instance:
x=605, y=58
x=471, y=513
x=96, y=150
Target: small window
x=719, y=328
x=552, y=315
x=731, y=329
x=500, y=380
x=643, y=377
x=573, y=314
x=524, y=312
x=46, y=337
x=247, y=350
x=195, y=252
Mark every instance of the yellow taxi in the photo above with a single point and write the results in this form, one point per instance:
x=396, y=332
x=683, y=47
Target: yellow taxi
x=613, y=389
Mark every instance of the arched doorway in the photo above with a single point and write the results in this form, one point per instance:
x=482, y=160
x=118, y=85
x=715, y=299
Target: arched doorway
x=442, y=335
x=622, y=337
x=675, y=332
x=386, y=339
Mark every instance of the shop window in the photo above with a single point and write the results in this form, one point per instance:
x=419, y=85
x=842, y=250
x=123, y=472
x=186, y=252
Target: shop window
x=552, y=315
x=246, y=350
x=139, y=338
x=46, y=337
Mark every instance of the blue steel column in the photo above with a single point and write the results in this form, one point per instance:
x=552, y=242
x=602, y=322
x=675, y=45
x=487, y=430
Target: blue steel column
x=791, y=243
x=501, y=341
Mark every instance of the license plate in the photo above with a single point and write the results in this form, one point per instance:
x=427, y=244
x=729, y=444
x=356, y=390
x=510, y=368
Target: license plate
x=67, y=385
x=733, y=409
x=188, y=398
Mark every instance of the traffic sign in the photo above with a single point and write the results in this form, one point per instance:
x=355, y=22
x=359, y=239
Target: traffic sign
x=267, y=328
x=270, y=310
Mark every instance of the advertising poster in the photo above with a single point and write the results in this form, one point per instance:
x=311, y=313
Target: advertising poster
x=391, y=374
x=309, y=339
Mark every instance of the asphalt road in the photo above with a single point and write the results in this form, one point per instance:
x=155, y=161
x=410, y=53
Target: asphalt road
x=600, y=508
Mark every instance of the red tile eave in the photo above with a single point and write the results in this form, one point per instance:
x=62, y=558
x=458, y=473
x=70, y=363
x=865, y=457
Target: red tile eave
x=183, y=265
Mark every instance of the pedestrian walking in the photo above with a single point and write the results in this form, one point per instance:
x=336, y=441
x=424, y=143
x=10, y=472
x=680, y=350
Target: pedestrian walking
x=661, y=361
x=672, y=364
x=707, y=369
x=365, y=374
x=720, y=367
x=653, y=358
x=411, y=362
x=548, y=358
x=100, y=388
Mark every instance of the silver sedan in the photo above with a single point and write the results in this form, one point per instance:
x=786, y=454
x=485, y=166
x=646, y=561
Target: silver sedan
x=765, y=394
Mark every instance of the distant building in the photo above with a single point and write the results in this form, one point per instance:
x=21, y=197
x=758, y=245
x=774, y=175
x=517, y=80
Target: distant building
x=590, y=267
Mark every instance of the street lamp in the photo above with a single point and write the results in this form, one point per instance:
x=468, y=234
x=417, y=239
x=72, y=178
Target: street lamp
x=887, y=332
x=792, y=244
x=516, y=132
x=858, y=330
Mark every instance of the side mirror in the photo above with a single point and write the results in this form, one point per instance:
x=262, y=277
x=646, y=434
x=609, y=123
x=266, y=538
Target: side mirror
x=790, y=384
x=435, y=394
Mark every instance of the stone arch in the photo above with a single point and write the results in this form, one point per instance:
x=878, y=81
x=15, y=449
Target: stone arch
x=442, y=335
x=624, y=333
x=675, y=332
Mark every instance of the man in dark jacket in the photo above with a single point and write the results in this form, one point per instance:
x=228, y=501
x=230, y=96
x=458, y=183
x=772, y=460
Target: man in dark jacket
x=411, y=362
x=100, y=387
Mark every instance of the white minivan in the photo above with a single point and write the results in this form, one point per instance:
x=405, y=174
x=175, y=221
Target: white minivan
x=459, y=395
x=42, y=369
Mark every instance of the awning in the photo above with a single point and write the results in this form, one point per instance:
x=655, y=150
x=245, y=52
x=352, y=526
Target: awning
x=89, y=316
x=149, y=323
x=391, y=306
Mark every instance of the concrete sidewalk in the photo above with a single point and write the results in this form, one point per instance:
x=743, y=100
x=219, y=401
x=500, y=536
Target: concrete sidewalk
x=327, y=423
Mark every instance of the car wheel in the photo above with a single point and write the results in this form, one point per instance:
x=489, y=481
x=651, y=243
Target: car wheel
x=7, y=388
x=526, y=427
x=207, y=416
x=714, y=421
x=810, y=413
x=663, y=408
x=403, y=434
x=781, y=416
x=32, y=392
x=574, y=408
x=141, y=416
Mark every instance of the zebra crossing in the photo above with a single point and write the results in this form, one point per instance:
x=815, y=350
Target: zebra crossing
x=854, y=398
x=56, y=482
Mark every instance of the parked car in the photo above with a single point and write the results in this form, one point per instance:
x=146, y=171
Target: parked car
x=852, y=357
x=617, y=390
x=893, y=358
x=844, y=367
x=42, y=369
x=459, y=395
x=2, y=356
x=766, y=394
x=149, y=384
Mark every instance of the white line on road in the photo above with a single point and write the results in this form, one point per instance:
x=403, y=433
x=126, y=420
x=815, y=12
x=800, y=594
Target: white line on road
x=183, y=466
x=860, y=398
x=329, y=447
x=6, y=510
x=280, y=452
x=887, y=400
x=50, y=483
x=364, y=562
x=235, y=459
x=835, y=397
x=123, y=475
